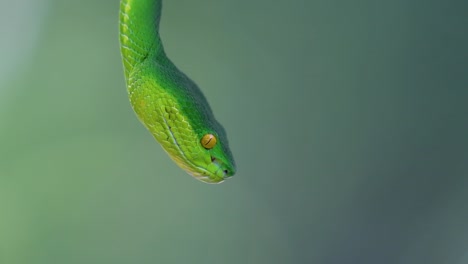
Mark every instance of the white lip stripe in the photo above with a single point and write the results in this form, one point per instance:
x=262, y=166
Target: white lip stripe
x=182, y=152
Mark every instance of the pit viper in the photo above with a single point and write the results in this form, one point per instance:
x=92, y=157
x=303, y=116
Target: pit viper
x=168, y=103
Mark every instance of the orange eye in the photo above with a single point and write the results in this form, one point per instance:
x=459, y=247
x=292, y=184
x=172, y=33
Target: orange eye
x=208, y=141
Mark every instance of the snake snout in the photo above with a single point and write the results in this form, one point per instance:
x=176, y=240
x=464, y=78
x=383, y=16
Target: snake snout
x=222, y=169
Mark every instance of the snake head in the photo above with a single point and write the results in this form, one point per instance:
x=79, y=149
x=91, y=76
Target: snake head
x=177, y=114
x=190, y=135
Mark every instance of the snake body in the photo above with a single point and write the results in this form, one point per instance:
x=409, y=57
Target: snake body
x=167, y=102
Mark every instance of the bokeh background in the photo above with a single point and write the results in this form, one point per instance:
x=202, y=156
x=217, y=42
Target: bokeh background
x=348, y=121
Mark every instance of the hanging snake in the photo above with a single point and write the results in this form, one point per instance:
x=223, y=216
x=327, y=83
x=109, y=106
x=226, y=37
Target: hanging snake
x=168, y=103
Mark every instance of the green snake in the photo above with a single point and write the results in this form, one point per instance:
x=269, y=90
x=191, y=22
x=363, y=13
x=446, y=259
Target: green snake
x=167, y=102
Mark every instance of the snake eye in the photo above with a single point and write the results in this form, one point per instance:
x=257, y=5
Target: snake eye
x=208, y=141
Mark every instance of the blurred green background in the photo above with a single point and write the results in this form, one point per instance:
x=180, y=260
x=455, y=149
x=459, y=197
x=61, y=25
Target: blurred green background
x=348, y=121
